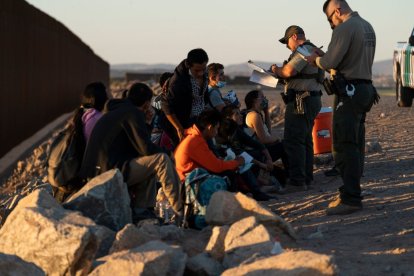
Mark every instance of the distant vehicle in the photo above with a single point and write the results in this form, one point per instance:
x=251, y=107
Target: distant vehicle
x=403, y=72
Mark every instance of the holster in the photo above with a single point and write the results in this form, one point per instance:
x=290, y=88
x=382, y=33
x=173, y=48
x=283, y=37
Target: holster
x=329, y=86
x=375, y=99
x=299, y=106
x=297, y=98
x=335, y=85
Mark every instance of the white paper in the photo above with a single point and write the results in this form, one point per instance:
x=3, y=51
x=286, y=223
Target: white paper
x=247, y=162
x=245, y=167
x=263, y=79
x=255, y=67
x=230, y=155
x=247, y=157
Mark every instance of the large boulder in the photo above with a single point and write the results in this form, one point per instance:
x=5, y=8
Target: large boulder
x=42, y=232
x=215, y=246
x=226, y=208
x=130, y=237
x=11, y=265
x=289, y=263
x=194, y=241
x=171, y=233
x=41, y=198
x=104, y=199
x=246, y=239
x=203, y=264
x=105, y=236
x=152, y=258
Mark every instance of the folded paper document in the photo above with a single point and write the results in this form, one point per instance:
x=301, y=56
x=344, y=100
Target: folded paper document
x=247, y=162
x=262, y=76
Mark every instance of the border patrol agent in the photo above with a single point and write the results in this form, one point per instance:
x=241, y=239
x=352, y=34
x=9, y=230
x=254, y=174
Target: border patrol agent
x=303, y=102
x=351, y=54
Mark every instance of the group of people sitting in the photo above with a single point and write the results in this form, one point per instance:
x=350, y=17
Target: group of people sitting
x=199, y=127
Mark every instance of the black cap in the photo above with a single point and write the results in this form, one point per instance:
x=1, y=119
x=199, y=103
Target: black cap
x=291, y=31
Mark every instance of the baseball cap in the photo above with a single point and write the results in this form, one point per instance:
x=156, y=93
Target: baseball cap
x=291, y=30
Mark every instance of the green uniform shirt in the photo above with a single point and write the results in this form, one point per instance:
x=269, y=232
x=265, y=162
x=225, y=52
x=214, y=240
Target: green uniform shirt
x=302, y=67
x=352, y=49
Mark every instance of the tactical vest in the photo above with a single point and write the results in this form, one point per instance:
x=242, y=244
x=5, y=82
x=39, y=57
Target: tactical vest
x=319, y=77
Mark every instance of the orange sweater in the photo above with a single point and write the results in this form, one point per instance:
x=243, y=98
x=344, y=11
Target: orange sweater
x=193, y=152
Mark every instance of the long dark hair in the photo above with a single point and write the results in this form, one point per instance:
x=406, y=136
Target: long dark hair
x=93, y=96
x=250, y=98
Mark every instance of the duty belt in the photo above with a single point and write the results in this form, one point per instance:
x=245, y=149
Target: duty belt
x=359, y=81
x=298, y=98
x=291, y=94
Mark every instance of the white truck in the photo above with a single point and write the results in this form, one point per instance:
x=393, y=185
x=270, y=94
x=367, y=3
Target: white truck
x=403, y=72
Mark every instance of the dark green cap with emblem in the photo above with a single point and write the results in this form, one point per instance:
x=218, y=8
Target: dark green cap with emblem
x=291, y=30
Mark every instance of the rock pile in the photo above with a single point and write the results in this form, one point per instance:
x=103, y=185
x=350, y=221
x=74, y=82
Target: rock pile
x=92, y=234
x=28, y=175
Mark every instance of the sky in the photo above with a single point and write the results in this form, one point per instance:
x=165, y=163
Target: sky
x=231, y=31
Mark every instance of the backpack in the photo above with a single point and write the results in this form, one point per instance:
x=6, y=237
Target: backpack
x=199, y=187
x=64, y=162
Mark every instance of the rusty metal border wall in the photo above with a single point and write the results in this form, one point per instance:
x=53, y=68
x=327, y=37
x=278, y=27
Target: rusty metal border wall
x=43, y=69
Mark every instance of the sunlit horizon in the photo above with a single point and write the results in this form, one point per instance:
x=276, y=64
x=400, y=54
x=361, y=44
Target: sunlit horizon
x=232, y=32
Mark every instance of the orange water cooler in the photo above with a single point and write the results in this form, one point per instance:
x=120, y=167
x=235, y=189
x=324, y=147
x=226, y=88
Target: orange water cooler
x=322, y=131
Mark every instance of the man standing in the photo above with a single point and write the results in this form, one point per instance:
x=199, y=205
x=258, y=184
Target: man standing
x=120, y=139
x=303, y=102
x=351, y=54
x=184, y=99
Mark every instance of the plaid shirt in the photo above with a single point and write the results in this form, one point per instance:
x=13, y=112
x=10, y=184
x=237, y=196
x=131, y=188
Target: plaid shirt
x=198, y=96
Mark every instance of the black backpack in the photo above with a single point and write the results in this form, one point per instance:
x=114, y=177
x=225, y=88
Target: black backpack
x=64, y=162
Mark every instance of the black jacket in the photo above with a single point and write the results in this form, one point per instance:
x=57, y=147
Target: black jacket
x=119, y=136
x=179, y=97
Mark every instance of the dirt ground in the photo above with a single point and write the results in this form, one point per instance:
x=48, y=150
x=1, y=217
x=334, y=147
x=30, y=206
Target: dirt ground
x=379, y=240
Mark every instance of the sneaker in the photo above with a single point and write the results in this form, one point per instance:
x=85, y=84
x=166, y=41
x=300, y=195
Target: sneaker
x=332, y=172
x=342, y=209
x=273, y=189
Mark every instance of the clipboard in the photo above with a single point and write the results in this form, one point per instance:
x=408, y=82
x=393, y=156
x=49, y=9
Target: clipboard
x=261, y=76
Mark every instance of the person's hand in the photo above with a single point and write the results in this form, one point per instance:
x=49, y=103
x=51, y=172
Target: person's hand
x=273, y=68
x=240, y=160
